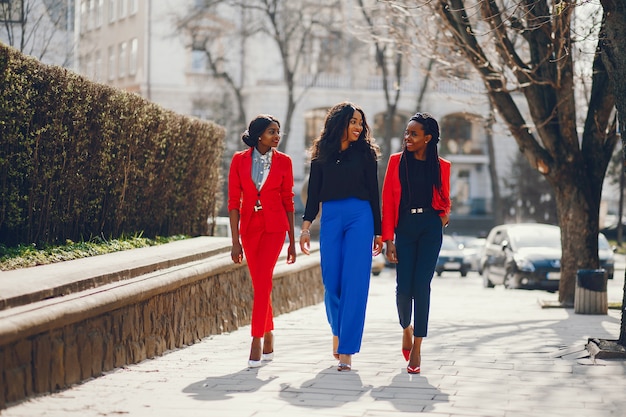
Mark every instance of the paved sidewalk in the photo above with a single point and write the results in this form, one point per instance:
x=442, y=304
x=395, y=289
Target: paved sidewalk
x=490, y=352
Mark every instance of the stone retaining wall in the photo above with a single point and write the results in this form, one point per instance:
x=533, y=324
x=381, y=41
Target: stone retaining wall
x=52, y=344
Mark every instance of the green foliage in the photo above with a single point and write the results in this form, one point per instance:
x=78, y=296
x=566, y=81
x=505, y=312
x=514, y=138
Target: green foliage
x=23, y=256
x=82, y=159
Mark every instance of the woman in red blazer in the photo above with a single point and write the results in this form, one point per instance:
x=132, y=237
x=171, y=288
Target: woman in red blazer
x=260, y=207
x=415, y=207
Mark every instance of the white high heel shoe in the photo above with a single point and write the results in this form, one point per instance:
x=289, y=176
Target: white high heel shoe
x=254, y=364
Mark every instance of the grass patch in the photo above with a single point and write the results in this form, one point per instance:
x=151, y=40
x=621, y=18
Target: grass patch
x=25, y=256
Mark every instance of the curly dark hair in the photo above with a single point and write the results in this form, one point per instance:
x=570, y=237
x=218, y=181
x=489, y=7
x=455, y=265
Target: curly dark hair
x=328, y=144
x=256, y=128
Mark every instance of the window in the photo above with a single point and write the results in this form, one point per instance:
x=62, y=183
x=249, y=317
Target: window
x=99, y=13
x=89, y=66
x=121, y=69
x=98, y=65
x=198, y=60
x=121, y=9
x=91, y=15
x=83, y=16
x=132, y=7
x=111, y=11
x=458, y=136
x=324, y=54
x=313, y=124
x=377, y=124
x=132, y=59
x=111, y=65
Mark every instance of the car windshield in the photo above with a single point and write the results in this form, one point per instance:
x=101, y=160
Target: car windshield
x=475, y=243
x=603, y=243
x=528, y=237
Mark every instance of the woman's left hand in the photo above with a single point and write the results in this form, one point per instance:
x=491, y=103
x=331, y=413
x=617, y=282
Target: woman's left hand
x=378, y=245
x=445, y=220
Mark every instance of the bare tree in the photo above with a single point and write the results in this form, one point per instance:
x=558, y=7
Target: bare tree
x=292, y=26
x=390, y=56
x=420, y=37
x=42, y=29
x=525, y=49
x=207, y=31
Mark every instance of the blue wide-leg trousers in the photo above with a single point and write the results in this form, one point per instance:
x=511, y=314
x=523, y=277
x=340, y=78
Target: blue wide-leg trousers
x=346, y=236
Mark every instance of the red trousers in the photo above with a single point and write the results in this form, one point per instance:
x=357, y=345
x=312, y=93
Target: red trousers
x=261, y=250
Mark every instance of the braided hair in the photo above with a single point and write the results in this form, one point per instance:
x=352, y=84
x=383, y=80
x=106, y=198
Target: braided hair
x=431, y=127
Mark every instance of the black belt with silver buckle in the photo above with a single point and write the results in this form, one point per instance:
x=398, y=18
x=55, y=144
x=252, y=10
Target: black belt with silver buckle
x=420, y=210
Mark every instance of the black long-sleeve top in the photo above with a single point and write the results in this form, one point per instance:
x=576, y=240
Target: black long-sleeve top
x=353, y=173
x=417, y=189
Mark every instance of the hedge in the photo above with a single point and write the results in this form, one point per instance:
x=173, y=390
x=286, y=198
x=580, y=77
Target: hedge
x=80, y=159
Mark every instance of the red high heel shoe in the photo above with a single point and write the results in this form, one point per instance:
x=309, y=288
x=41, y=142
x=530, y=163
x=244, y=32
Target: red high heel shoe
x=413, y=369
x=407, y=352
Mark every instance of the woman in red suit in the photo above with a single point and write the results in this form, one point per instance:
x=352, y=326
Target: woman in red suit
x=416, y=205
x=260, y=207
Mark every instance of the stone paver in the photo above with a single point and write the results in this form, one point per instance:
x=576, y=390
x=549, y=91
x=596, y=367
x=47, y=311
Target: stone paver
x=490, y=352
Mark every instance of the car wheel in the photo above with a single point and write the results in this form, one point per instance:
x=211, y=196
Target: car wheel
x=463, y=272
x=486, y=281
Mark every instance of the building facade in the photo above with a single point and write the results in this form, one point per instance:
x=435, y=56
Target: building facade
x=143, y=46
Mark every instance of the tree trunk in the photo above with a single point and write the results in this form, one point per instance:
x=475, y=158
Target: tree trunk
x=579, y=233
x=286, y=124
x=493, y=173
x=613, y=45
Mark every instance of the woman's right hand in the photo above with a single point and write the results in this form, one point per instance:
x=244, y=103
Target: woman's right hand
x=305, y=237
x=236, y=252
x=305, y=242
x=390, y=252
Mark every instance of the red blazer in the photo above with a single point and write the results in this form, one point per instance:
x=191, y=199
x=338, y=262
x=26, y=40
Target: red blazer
x=392, y=191
x=276, y=194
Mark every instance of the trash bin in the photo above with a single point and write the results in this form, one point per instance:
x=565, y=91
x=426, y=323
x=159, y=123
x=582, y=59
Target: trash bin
x=590, y=296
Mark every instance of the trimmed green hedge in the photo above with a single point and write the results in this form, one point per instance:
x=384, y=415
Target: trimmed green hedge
x=80, y=159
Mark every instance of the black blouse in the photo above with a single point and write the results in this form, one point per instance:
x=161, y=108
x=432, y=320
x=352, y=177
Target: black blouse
x=417, y=189
x=352, y=173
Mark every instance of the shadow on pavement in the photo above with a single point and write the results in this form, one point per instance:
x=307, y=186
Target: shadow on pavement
x=410, y=393
x=226, y=386
x=328, y=389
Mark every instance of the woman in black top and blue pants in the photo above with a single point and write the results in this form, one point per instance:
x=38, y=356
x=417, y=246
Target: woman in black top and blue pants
x=344, y=180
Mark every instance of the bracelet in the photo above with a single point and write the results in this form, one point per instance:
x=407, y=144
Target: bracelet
x=306, y=232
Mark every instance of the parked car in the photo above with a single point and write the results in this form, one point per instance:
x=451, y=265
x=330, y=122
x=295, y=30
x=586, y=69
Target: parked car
x=472, y=252
x=606, y=255
x=528, y=255
x=451, y=257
